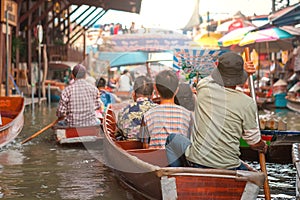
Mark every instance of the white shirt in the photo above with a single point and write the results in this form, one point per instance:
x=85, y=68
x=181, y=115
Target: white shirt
x=124, y=83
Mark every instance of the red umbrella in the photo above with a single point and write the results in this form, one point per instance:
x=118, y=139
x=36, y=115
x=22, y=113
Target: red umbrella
x=233, y=24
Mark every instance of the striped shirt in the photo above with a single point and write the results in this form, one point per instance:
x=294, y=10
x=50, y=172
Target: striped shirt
x=78, y=103
x=163, y=120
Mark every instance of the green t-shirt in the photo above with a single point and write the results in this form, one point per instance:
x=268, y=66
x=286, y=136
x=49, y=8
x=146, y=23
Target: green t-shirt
x=222, y=117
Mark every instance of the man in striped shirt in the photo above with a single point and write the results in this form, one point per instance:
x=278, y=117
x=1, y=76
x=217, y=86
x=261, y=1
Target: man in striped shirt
x=79, y=101
x=166, y=118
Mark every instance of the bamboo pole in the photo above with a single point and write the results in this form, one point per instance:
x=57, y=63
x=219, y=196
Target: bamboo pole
x=262, y=159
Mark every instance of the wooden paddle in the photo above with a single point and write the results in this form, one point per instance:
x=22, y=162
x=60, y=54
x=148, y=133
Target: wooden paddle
x=40, y=131
x=262, y=159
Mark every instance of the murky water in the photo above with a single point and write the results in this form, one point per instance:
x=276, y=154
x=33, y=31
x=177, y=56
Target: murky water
x=42, y=169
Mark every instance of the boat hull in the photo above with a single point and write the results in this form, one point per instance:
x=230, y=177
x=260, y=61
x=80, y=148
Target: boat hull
x=293, y=104
x=11, y=109
x=146, y=172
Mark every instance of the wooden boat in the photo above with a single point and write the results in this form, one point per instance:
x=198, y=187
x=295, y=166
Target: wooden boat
x=280, y=146
x=58, y=72
x=293, y=103
x=146, y=171
x=55, y=88
x=11, y=110
x=296, y=162
x=71, y=135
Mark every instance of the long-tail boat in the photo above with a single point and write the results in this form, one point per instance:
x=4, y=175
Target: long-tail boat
x=11, y=118
x=146, y=171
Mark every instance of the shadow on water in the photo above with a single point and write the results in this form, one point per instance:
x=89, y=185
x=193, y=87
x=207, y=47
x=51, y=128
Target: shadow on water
x=42, y=169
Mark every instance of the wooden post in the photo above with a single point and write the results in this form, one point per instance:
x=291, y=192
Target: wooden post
x=262, y=159
x=29, y=49
x=1, y=58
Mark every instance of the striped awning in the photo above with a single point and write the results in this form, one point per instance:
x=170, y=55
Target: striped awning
x=201, y=61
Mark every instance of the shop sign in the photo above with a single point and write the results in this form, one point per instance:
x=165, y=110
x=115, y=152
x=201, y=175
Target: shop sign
x=12, y=8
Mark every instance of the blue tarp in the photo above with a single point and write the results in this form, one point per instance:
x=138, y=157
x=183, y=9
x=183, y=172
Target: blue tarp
x=117, y=59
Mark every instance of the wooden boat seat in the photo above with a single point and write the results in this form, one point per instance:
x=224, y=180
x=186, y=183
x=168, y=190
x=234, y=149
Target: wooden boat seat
x=9, y=114
x=80, y=131
x=154, y=156
x=130, y=144
x=5, y=120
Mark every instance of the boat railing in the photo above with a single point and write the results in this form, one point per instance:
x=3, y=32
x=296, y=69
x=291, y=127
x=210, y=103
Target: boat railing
x=154, y=156
x=110, y=124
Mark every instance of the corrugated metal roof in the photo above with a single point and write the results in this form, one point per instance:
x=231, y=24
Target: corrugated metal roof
x=287, y=16
x=133, y=6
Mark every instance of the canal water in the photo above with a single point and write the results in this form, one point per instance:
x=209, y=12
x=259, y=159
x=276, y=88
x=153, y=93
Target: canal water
x=43, y=169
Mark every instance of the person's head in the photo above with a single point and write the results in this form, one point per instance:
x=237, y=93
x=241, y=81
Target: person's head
x=142, y=86
x=185, y=96
x=125, y=71
x=230, y=71
x=166, y=83
x=101, y=83
x=79, y=71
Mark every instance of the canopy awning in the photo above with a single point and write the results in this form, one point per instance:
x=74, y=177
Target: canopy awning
x=117, y=59
x=61, y=65
x=133, y=6
x=287, y=16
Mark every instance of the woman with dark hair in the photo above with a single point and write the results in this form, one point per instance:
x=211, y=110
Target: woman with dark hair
x=129, y=120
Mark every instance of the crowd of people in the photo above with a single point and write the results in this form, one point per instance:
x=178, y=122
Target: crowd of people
x=116, y=29
x=202, y=130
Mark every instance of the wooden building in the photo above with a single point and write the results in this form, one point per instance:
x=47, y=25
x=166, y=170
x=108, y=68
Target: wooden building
x=34, y=26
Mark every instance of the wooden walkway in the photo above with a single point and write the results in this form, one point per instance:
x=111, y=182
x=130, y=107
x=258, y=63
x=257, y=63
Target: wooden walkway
x=29, y=101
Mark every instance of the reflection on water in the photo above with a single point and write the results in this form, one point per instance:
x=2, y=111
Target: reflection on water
x=42, y=169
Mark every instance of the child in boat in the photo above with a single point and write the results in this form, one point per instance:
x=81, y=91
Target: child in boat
x=166, y=118
x=129, y=120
